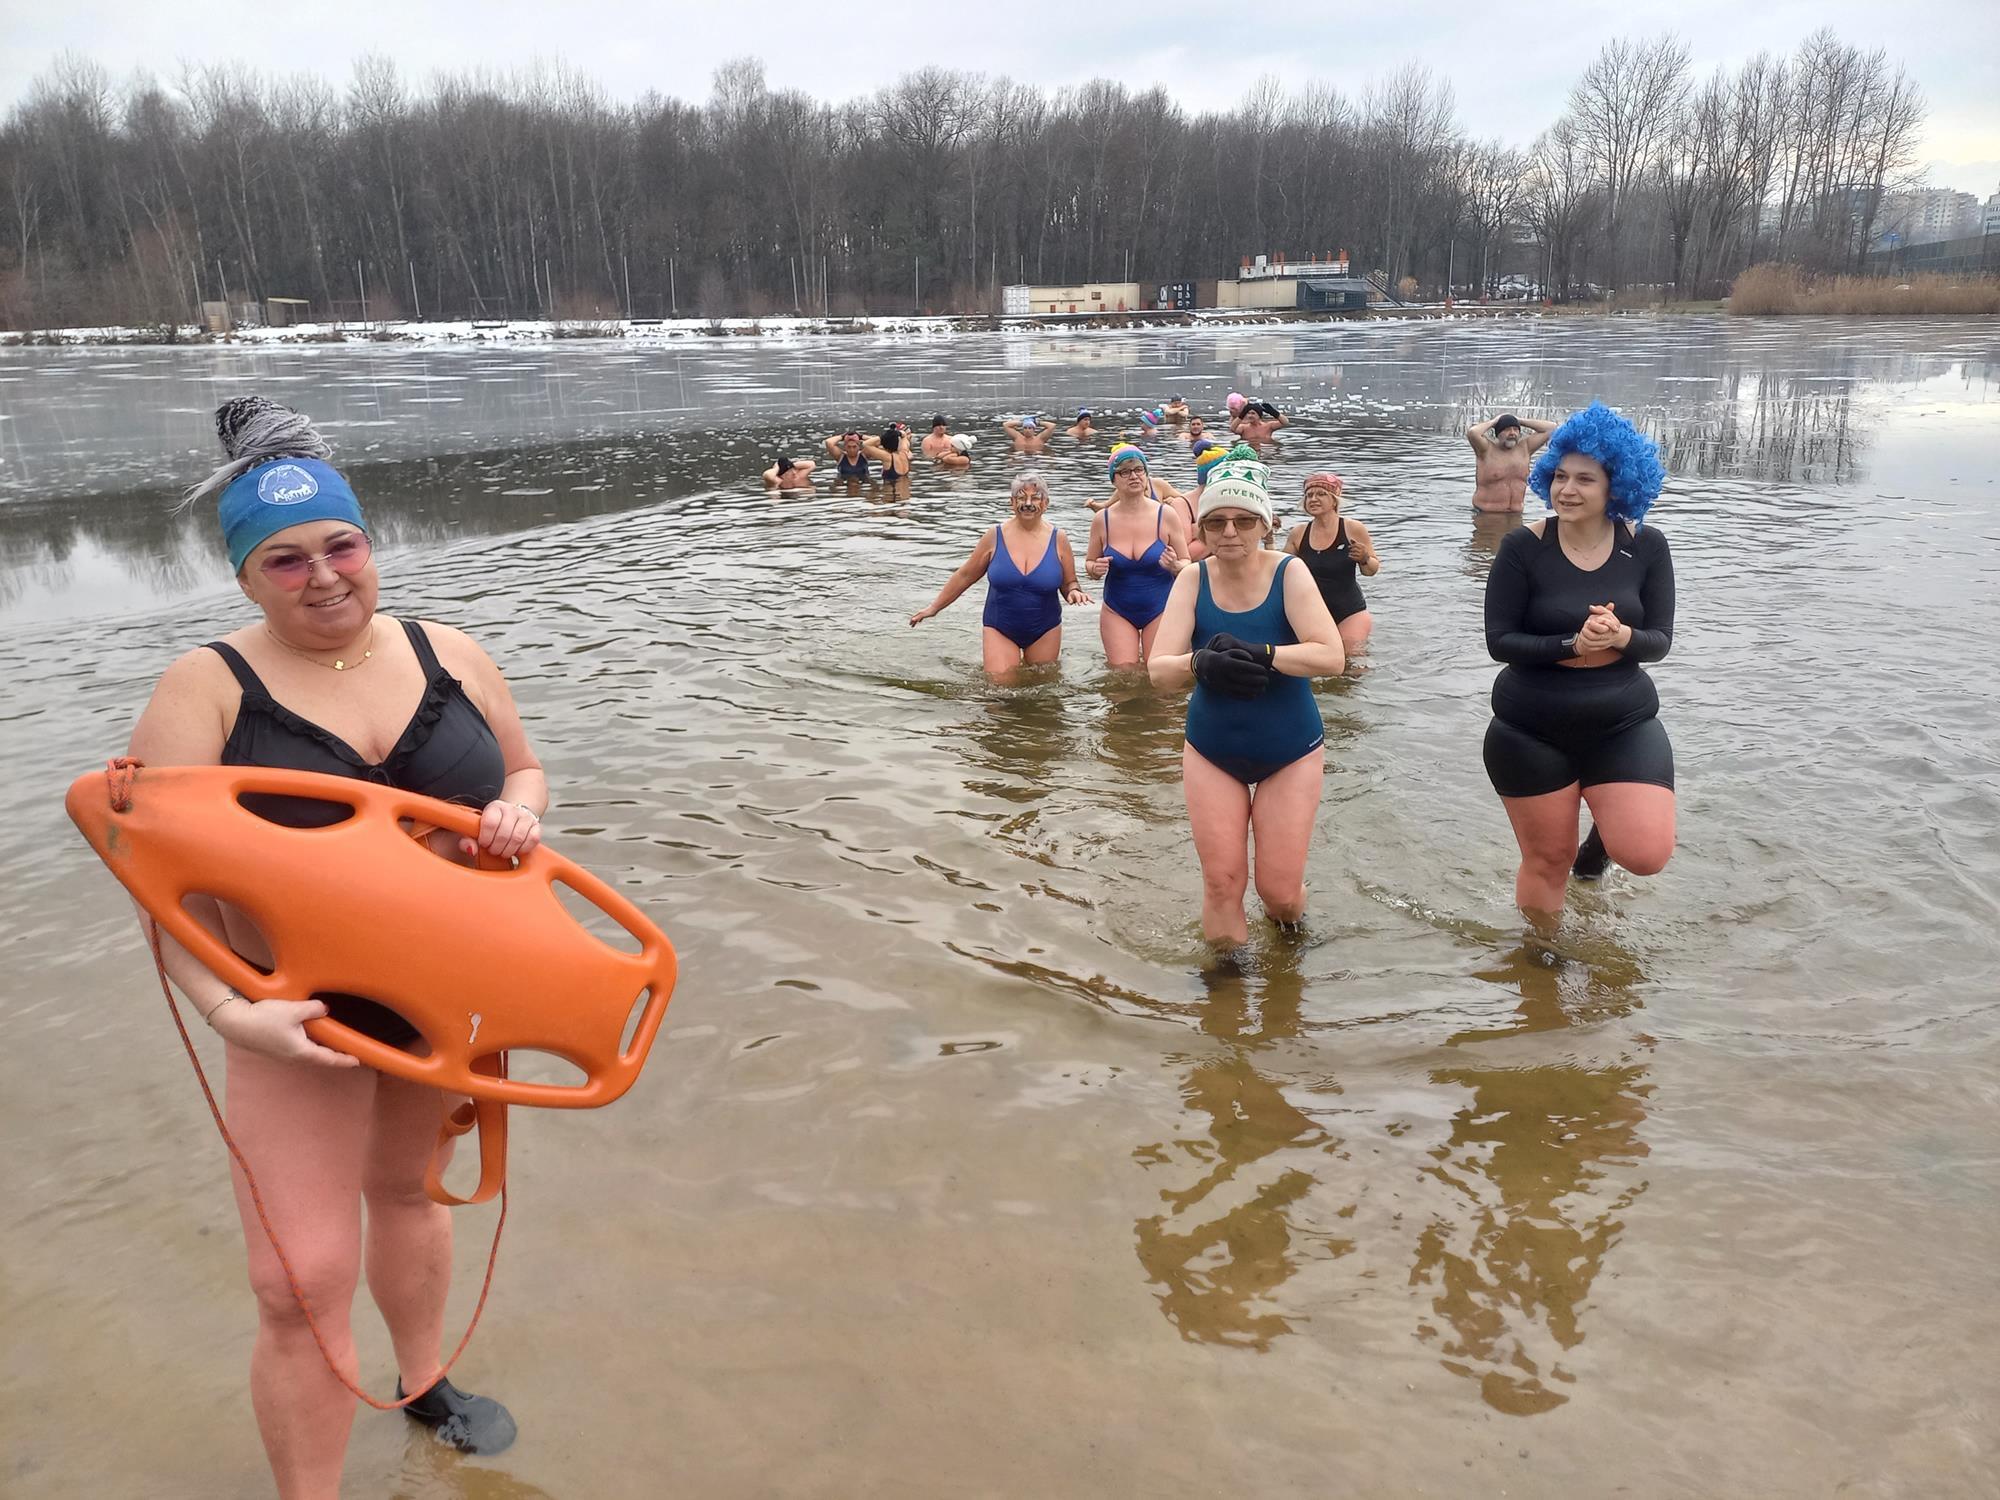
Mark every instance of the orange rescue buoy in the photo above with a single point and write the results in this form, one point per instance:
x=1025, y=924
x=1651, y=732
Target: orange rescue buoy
x=481, y=961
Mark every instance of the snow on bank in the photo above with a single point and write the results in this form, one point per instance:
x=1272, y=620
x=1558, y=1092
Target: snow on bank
x=518, y=330
x=651, y=331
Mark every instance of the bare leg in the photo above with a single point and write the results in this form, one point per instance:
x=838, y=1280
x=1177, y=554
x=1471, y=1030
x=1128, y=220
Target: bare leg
x=1047, y=647
x=409, y=1236
x=304, y=1131
x=1636, y=821
x=1123, y=646
x=1545, y=828
x=1282, y=813
x=1219, y=817
x=1146, y=636
x=999, y=655
x=1355, y=629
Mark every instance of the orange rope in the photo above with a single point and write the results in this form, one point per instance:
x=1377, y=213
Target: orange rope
x=120, y=774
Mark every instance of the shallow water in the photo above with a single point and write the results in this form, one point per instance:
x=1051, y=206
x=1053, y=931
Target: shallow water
x=959, y=1169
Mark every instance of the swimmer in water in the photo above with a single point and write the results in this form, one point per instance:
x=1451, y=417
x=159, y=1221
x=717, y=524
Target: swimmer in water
x=937, y=442
x=1504, y=449
x=1574, y=604
x=1336, y=548
x=1176, y=410
x=1029, y=573
x=1140, y=574
x=789, y=474
x=892, y=452
x=1248, y=627
x=1081, y=427
x=1258, y=421
x=1030, y=433
x=957, y=452
x=1195, y=435
x=849, y=452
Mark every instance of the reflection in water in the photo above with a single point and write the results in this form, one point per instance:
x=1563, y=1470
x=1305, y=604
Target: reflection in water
x=1489, y=530
x=1534, y=1161
x=1733, y=420
x=1229, y=1238
x=1769, y=425
x=1530, y=1182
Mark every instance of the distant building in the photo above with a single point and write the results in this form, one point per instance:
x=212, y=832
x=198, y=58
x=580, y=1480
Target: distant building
x=1989, y=219
x=1925, y=216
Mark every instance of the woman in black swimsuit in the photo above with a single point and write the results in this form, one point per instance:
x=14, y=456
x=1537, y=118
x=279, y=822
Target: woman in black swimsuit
x=1574, y=605
x=321, y=682
x=1336, y=550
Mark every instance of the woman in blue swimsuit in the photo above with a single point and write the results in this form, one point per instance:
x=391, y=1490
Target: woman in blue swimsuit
x=1249, y=627
x=320, y=681
x=1138, y=576
x=1029, y=572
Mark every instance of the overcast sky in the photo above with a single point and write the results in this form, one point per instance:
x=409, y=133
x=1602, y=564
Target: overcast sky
x=1509, y=64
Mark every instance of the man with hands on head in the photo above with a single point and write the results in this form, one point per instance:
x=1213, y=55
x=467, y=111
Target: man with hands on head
x=1505, y=447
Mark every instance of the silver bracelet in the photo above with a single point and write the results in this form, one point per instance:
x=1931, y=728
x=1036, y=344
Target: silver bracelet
x=209, y=1017
x=529, y=811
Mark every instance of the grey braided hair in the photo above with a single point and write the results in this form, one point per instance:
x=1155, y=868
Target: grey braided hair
x=254, y=430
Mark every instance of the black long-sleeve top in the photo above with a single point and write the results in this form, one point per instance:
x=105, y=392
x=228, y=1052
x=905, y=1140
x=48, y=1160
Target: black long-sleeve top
x=1537, y=599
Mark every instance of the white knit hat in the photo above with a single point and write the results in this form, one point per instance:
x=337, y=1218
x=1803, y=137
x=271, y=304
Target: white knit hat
x=1241, y=481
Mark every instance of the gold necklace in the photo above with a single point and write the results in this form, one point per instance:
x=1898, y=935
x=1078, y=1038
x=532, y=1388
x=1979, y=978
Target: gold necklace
x=338, y=664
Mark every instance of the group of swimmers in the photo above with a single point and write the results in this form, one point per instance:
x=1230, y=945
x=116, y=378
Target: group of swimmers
x=886, y=457
x=1197, y=584
x=1200, y=594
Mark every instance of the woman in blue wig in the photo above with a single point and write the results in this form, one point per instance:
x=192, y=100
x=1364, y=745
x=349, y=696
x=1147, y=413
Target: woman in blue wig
x=1574, y=604
x=319, y=680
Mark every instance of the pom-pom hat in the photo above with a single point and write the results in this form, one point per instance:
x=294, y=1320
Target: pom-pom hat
x=1241, y=481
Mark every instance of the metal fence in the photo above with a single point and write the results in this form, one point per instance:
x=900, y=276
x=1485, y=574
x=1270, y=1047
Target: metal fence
x=1975, y=255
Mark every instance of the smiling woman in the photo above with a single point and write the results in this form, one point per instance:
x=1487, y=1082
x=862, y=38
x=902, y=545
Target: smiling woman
x=429, y=713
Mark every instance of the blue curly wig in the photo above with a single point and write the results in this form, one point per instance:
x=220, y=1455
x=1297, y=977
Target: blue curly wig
x=1630, y=458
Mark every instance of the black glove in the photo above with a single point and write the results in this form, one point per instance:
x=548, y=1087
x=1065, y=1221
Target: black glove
x=1234, y=674
x=1265, y=656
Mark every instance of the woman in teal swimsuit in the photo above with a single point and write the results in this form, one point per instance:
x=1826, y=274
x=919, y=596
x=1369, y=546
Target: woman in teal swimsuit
x=1248, y=626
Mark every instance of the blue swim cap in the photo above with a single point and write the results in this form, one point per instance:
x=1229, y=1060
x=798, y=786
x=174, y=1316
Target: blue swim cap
x=282, y=493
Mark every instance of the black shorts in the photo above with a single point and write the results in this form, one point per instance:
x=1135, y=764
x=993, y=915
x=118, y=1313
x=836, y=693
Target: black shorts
x=1566, y=726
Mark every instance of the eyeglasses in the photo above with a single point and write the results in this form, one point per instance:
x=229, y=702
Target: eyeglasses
x=293, y=570
x=1229, y=523
x=1128, y=471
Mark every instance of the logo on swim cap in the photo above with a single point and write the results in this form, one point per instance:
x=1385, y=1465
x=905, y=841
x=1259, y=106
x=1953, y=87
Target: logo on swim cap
x=286, y=484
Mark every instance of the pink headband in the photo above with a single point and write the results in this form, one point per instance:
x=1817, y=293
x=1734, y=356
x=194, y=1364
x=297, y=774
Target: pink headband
x=1329, y=480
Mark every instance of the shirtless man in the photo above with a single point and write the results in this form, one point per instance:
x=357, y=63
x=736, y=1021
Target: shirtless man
x=789, y=474
x=1030, y=435
x=1506, y=448
x=1196, y=436
x=938, y=443
x=1176, y=410
x=1258, y=421
x=1081, y=427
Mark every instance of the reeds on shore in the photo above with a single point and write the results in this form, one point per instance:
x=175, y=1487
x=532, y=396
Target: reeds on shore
x=1772, y=290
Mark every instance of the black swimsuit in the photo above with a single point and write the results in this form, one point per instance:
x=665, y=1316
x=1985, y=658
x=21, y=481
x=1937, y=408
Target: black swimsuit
x=1556, y=726
x=856, y=468
x=1333, y=569
x=447, y=750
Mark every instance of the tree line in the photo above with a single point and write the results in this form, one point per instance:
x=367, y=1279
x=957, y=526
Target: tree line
x=535, y=194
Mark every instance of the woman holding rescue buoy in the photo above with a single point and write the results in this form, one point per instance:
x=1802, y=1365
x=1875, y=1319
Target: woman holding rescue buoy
x=320, y=681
